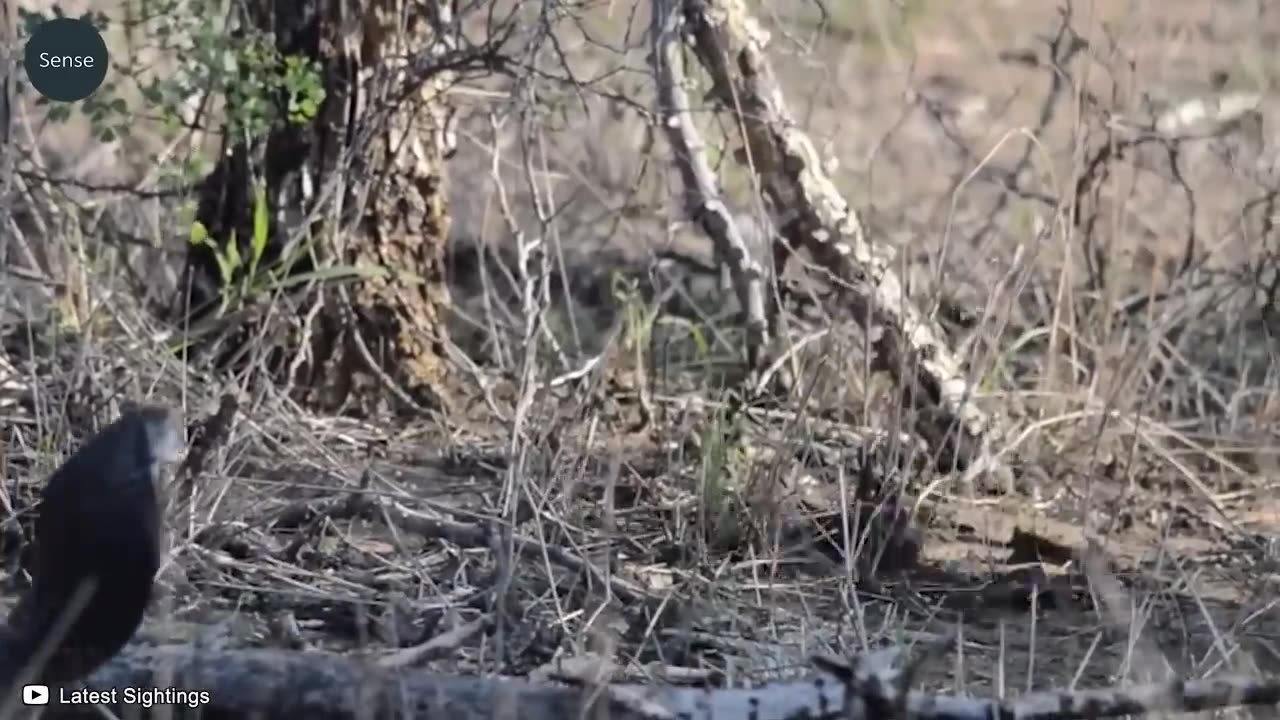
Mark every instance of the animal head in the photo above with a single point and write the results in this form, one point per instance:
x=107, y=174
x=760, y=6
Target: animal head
x=162, y=427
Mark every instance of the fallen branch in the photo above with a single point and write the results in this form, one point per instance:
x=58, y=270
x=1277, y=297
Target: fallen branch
x=272, y=684
x=730, y=45
x=323, y=686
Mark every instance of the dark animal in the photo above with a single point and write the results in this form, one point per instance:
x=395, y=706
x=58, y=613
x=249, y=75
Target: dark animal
x=97, y=552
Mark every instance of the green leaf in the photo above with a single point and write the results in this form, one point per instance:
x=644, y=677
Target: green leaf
x=199, y=233
x=224, y=269
x=261, y=227
x=232, y=252
x=700, y=341
x=152, y=93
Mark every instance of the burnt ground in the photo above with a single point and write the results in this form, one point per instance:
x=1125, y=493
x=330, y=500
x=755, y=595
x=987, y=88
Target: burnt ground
x=1113, y=297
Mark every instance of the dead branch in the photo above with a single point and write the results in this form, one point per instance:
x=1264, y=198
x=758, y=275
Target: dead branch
x=730, y=44
x=276, y=683
x=703, y=199
x=1169, y=696
x=324, y=686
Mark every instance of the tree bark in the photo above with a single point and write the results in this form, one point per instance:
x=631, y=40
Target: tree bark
x=358, y=217
x=8, y=79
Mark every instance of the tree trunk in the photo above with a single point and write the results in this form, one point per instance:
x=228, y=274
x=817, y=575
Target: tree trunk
x=8, y=81
x=358, y=188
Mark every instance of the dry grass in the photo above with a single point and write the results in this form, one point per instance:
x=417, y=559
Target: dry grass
x=1121, y=323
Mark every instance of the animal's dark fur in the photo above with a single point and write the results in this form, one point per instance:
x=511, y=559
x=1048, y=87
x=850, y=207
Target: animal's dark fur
x=99, y=523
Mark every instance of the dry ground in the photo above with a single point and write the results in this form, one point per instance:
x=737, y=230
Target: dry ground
x=1115, y=301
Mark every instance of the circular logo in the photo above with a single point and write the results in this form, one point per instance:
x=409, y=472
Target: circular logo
x=66, y=59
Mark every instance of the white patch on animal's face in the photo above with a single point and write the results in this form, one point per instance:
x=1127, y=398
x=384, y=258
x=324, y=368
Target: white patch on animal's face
x=164, y=433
